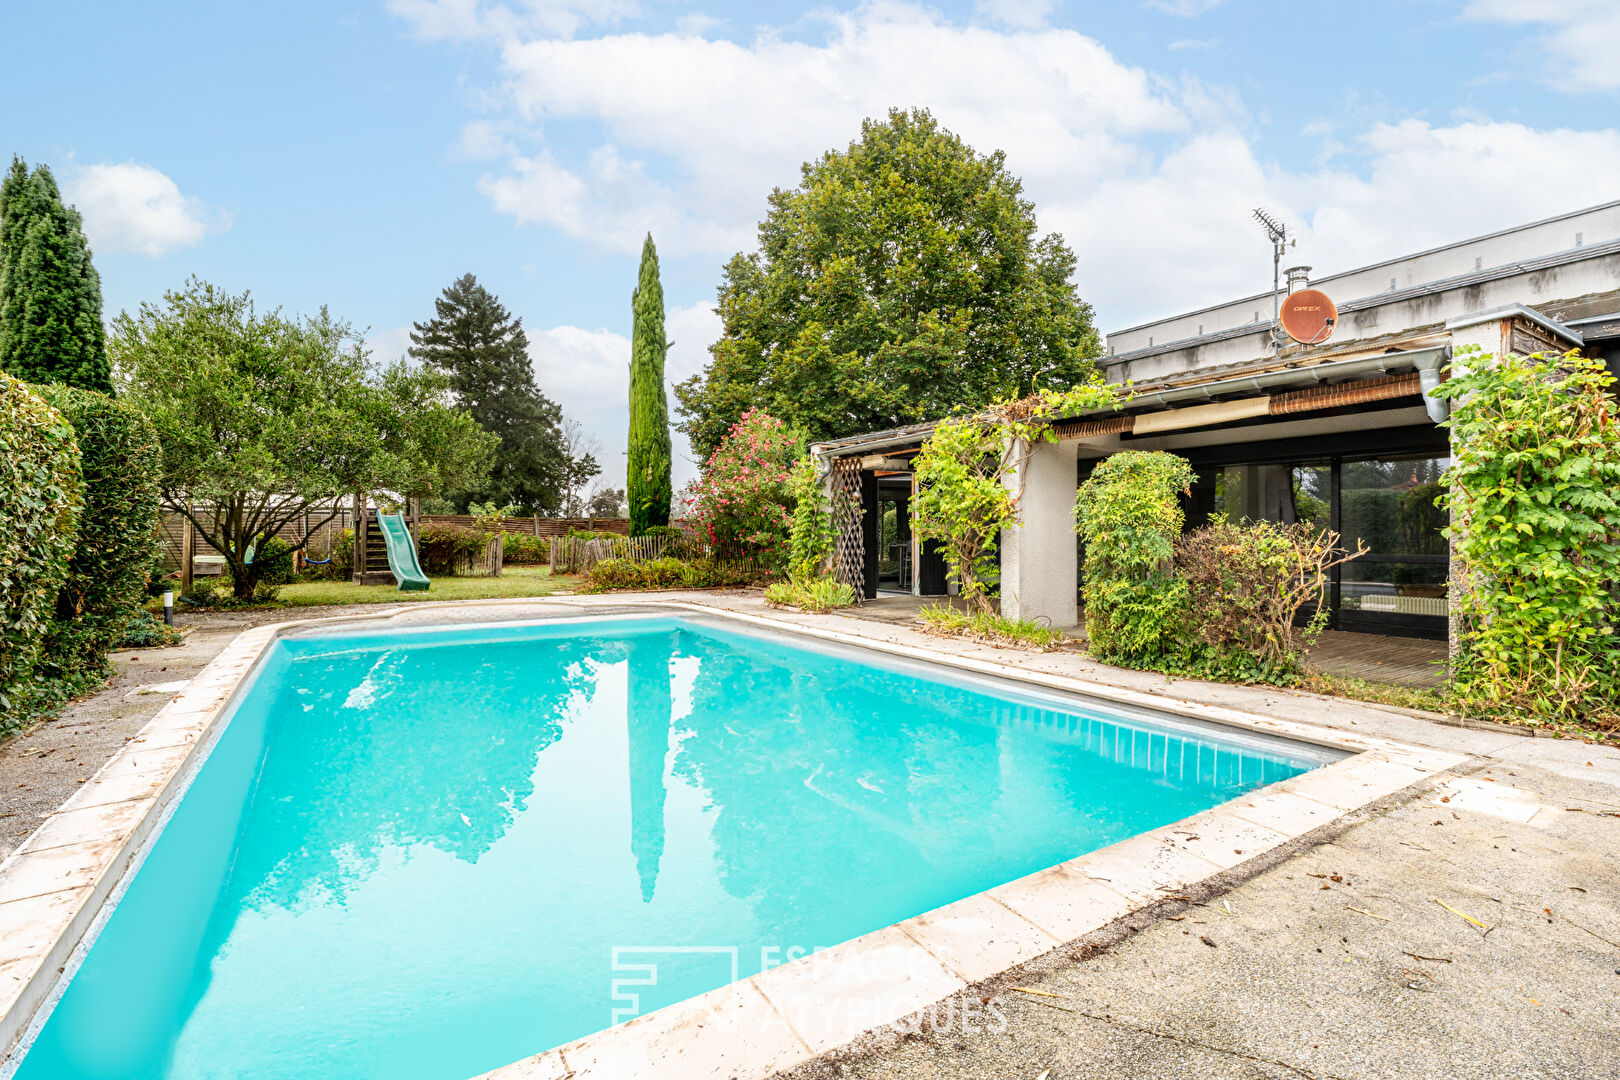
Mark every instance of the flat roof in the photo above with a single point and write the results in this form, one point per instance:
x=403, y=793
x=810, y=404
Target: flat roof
x=1376, y=265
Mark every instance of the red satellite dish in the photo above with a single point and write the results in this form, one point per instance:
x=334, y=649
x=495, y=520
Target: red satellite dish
x=1308, y=316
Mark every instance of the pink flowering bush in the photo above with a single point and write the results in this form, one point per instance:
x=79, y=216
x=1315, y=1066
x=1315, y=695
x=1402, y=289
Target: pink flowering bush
x=743, y=502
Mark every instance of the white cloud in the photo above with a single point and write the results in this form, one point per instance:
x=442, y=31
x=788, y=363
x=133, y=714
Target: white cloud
x=1185, y=9
x=1149, y=179
x=696, y=132
x=131, y=208
x=386, y=346
x=465, y=20
x=1020, y=14
x=1580, y=36
x=587, y=372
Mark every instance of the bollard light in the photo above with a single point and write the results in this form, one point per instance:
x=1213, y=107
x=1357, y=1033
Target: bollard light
x=168, y=606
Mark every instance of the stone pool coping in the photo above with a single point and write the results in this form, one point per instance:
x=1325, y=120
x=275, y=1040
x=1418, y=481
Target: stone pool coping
x=55, y=888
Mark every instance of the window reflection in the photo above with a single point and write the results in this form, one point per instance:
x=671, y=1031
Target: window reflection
x=1274, y=492
x=1386, y=503
x=1389, y=504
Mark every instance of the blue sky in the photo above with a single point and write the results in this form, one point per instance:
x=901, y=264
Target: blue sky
x=362, y=155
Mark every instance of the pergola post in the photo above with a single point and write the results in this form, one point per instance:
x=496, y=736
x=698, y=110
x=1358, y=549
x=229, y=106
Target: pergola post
x=1040, y=555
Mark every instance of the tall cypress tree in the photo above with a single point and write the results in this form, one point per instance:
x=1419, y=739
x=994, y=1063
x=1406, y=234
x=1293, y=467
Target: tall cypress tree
x=50, y=293
x=484, y=352
x=648, y=483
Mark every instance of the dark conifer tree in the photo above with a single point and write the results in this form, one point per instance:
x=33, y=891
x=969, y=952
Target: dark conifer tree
x=484, y=352
x=648, y=476
x=50, y=293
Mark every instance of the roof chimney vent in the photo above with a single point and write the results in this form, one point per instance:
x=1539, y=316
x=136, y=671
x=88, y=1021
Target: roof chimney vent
x=1298, y=277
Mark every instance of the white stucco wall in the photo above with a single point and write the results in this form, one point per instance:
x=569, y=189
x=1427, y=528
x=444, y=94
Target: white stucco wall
x=1039, y=573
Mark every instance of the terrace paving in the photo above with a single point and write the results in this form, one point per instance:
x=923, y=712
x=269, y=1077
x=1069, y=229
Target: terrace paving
x=1306, y=976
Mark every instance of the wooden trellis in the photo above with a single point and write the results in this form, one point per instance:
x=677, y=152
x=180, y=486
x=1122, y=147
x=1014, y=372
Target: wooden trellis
x=849, y=551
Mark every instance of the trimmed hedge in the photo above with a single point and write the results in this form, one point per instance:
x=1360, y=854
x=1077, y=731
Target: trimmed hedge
x=666, y=573
x=117, y=535
x=40, y=494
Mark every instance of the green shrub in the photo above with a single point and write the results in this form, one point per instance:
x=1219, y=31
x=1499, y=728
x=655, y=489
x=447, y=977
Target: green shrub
x=1129, y=516
x=275, y=562
x=990, y=628
x=1246, y=583
x=524, y=550
x=217, y=593
x=143, y=630
x=665, y=573
x=816, y=596
x=679, y=543
x=341, y=554
x=451, y=549
x=741, y=501
x=1534, y=496
x=117, y=535
x=41, y=492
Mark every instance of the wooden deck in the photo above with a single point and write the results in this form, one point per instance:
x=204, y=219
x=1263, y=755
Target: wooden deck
x=1397, y=661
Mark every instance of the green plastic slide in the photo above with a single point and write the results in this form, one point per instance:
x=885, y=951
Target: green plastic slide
x=402, y=553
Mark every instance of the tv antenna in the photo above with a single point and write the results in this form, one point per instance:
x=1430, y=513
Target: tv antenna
x=1277, y=233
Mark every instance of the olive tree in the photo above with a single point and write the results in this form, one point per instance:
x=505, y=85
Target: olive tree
x=266, y=420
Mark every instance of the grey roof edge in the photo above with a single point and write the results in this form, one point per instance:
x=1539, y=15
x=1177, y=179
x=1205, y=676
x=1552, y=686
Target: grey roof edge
x=1459, y=281
x=1517, y=311
x=1596, y=207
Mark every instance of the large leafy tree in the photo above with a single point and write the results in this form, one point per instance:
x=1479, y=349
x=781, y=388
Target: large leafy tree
x=266, y=421
x=649, y=452
x=482, y=350
x=901, y=281
x=50, y=293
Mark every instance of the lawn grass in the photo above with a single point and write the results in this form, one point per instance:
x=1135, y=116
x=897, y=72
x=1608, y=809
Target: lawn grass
x=514, y=581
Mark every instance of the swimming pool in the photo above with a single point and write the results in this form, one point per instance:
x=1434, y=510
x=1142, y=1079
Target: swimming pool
x=429, y=853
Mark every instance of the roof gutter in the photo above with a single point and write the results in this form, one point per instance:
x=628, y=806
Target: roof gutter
x=1331, y=371
x=1168, y=412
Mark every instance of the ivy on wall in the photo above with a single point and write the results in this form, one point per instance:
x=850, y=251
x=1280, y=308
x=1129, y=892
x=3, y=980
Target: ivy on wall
x=1534, y=496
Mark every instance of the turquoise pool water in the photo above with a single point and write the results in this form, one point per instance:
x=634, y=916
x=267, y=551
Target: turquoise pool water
x=415, y=854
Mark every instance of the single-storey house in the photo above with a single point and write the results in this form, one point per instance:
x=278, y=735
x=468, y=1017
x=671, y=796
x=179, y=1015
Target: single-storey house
x=1341, y=432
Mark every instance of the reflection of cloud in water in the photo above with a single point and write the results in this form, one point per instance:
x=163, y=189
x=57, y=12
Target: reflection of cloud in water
x=365, y=695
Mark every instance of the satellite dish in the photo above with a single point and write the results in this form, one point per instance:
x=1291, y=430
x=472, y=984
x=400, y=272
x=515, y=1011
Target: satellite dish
x=1308, y=316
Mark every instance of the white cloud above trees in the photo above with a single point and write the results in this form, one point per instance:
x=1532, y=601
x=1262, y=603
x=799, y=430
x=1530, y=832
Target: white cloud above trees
x=1149, y=176
x=135, y=209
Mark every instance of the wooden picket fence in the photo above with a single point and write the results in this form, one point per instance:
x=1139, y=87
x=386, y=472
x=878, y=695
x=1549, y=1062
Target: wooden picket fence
x=577, y=554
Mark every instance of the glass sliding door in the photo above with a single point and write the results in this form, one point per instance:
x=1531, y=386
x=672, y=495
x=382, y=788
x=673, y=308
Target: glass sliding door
x=1389, y=505
x=1386, y=502
x=894, y=567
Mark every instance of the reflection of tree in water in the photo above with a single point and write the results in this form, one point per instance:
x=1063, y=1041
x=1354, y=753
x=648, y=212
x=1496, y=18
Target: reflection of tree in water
x=817, y=753
x=367, y=761
x=873, y=774
x=647, y=717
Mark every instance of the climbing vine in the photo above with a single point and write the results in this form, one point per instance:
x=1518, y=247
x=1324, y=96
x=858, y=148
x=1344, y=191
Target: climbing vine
x=1534, y=496
x=970, y=476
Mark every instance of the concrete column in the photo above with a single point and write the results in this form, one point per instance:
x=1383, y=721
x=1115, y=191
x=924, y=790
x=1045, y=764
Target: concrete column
x=1039, y=572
